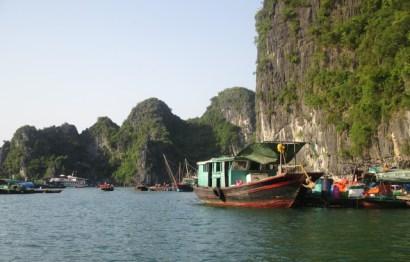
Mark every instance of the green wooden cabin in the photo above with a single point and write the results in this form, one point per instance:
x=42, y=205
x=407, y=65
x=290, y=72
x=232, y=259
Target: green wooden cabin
x=255, y=162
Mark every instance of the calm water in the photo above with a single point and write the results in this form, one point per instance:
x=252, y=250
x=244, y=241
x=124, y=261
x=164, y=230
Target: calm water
x=124, y=225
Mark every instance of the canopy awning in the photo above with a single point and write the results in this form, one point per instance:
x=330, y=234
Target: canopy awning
x=396, y=176
x=267, y=152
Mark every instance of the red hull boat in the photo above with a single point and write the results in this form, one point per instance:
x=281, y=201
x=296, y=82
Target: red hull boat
x=250, y=178
x=273, y=192
x=107, y=187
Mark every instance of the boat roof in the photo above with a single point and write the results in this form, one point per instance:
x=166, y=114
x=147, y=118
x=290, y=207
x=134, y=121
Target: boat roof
x=217, y=159
x=262, y=153
x=397, y=176
x=267, y=152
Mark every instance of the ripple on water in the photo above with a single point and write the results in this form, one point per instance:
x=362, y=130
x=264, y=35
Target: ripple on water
x=124, y=225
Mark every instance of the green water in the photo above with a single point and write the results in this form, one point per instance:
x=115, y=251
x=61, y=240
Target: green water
x=124, y=225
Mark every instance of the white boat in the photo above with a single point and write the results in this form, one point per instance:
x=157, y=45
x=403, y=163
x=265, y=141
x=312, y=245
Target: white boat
x=70, y=181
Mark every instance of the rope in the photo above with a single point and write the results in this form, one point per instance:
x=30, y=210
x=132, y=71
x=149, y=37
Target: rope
x=309, y=183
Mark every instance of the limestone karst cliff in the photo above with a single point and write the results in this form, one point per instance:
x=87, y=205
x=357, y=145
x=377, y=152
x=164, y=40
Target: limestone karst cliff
x=237, y=106
x=335, y=73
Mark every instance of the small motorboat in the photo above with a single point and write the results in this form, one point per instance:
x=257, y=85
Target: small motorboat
x=107, y=187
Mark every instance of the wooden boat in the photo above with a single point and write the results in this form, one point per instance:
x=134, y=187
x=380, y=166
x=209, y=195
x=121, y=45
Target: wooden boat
x=385, y=193
x=259, y=176
x=187, y=183
x=141, y=188
x=405, y=198
x=10, y=186
x=162, y=188
x=185, y=186
x=107, y=187
x=383, y=202
x=47, y=190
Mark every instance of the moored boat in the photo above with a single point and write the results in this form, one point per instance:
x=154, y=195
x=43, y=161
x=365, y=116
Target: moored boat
x=106, y=187
x=47, y=190
x=69, y=181
x=390, y=189
x=187, y=184
x=259, y=176
x=378, y=188
x=9, y=186
x=184, y=186
x=141, y=187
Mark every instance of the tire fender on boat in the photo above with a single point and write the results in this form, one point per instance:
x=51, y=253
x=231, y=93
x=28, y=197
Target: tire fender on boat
x=218, y=192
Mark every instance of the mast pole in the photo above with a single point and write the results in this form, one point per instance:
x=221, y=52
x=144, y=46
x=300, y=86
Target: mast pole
x=186, y=166
x=169, y=170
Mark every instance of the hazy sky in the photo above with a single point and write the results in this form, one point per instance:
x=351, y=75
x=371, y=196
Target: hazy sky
x=75, y=60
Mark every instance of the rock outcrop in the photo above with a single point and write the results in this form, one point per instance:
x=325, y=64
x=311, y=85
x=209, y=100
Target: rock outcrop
x=314, y=49
x=236, y=106
x=36, y=153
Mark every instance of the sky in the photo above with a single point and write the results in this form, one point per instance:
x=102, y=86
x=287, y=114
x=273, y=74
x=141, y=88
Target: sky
x=75, y=60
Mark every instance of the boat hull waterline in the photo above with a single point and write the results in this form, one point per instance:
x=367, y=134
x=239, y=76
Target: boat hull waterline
x=272, y=192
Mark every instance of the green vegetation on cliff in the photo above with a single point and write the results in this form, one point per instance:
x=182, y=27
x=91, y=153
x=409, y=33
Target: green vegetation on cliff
x=148, y=121
x=133, y=152
x=43, y=153
x=370, y=79
x=360, y=74
x=263, y=27
x=231, y=106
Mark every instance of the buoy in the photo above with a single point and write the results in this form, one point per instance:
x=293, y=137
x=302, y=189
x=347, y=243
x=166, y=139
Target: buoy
x=281, y=148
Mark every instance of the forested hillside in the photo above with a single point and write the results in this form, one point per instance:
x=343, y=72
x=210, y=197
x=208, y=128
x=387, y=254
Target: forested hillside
x=133, y=152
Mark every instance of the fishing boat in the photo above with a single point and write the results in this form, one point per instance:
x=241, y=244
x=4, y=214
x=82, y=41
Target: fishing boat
x=141, y=187
x=10, y=186
x=259, y=176
x=106, y=187
x=187, y=183
x=389, y=189
x=47, y=190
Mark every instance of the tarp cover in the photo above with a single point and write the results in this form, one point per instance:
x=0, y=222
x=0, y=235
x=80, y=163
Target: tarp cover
x=398, y=176
x=267, y=152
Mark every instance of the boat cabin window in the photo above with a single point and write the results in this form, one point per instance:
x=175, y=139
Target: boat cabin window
x=218, y=167
x=239, y=165
x=269, y=167
x=254, y=166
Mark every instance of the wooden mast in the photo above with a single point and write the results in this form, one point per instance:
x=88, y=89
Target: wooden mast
x=187, y=169
x=169, y=171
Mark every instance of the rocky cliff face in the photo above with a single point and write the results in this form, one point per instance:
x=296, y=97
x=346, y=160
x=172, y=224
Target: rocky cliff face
x=100, y=149
x=149, y=132
x=236, y=106
x=51, y=151
x=4, y=150
x=102, y=135
x=297, y=42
